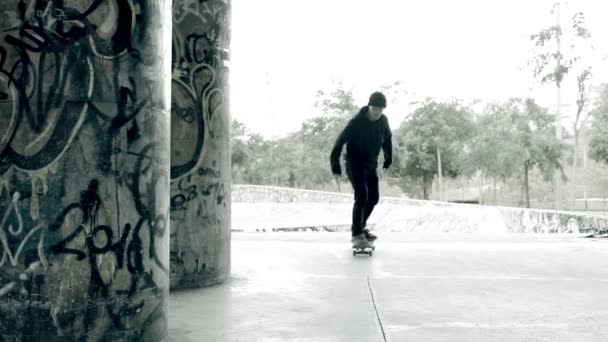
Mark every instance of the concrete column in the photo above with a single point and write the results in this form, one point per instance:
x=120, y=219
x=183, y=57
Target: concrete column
x=200, y=144
x=84, y=169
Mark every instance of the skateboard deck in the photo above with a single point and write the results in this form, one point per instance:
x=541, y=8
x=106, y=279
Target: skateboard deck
x=369, y=249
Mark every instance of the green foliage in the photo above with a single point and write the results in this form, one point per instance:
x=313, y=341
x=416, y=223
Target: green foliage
x=505, y=141
x=536, y=139
x=494, y=150
x=549, y=65
x=247, y=149
x=513, y=138
x=598, y=146
x=338, y=103
x=302, y=158
x=432, y=126
x=545, y=57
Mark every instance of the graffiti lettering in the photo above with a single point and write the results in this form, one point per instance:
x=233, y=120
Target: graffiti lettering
x=71, y=71
x=98, y=240
x=8, y=230
x=197, y=90
x=190, y=192
x=209, y=172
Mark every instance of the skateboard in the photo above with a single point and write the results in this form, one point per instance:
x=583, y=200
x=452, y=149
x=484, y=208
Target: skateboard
x=369, y=249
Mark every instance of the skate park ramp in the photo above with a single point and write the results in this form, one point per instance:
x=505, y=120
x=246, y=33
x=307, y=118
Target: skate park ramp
x=267, y=209
x=530, y=278
x=307, y=286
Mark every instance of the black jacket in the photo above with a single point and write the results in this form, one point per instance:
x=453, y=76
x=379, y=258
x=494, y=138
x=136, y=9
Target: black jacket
x=363, y=139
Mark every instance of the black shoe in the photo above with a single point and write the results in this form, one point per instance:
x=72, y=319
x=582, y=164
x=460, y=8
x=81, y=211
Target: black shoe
x=359, y=241
x=368, y=235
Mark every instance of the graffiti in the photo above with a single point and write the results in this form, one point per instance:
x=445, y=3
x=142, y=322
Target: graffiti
x=201, y=9
x=198, y=80
x=24, y=282
x=192, y=7
x=79, y=93
x=132, y=252
x=91, y=240
x=7, y=289
x=63, y=61
x=546, y=222
x=199, y=141
x=42, y=85
x=148, y=186
x=21, y=243
x=201, y=200
x=188, y=193
x=64, y=73
x=13, y=231
x=209, y=172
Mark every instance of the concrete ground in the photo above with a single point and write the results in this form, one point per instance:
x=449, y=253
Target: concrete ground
x=416, y=287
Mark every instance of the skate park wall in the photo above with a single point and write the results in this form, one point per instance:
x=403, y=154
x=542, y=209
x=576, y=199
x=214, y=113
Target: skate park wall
x=264, y=208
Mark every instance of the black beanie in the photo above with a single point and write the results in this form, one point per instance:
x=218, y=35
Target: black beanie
x=377, y=99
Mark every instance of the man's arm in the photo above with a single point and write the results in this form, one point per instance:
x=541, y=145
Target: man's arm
x=334, y=158
x=387, y=147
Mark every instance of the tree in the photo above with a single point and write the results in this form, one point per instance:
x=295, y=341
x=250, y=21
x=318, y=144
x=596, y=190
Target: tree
x=494, y=151
x=338, y=103
x=598, y=145
x=553, y=66
x=239, y=154
x=584, y=88
x=317, y=135
x=430, y=142
x=334, y=111
x=247, y=148
x=301, y=158
x=535, y=139
x=514, y=138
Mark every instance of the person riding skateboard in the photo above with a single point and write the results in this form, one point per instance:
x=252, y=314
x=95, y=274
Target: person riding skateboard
x=364, y=135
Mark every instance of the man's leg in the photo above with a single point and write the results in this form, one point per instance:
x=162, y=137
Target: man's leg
x=373, y=195
x=357, y=180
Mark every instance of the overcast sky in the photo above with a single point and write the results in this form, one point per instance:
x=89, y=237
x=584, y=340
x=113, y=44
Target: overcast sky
x=284, y=51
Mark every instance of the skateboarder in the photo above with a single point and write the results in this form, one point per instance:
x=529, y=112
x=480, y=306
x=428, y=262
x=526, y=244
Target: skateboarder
x=364, y=136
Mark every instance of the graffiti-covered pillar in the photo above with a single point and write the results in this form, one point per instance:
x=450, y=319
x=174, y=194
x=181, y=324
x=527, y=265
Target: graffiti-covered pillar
x=84, y=169
x=200, y=144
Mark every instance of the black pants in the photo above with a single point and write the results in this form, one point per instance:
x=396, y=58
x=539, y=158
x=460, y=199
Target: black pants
x=365, y=185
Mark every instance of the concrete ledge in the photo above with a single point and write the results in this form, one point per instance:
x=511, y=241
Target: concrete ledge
x=265, y=209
